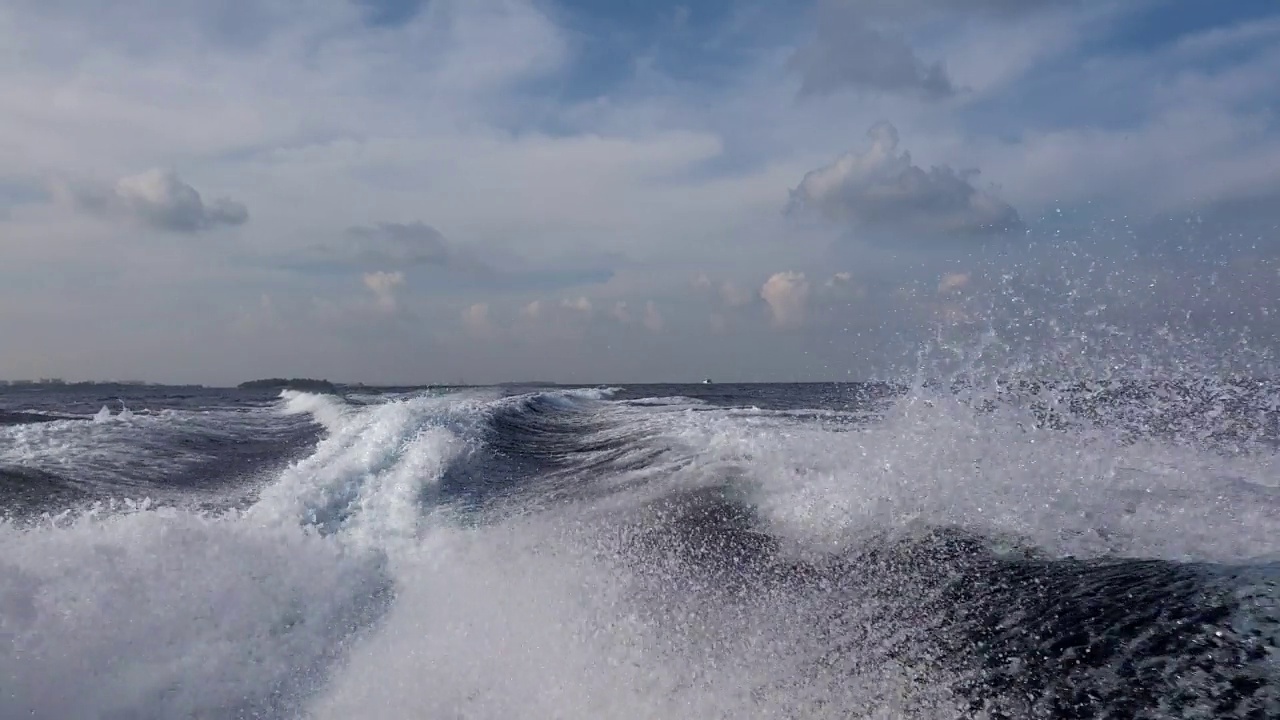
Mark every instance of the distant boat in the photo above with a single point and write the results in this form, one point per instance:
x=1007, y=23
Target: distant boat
x=707, y=381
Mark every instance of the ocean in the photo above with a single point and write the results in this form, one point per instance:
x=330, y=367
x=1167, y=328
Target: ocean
x=1007, y=550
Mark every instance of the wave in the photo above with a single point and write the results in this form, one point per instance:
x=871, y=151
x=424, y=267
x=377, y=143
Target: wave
x=701, y=594
x=168, y=454
x=571, y=554
x=160, y=613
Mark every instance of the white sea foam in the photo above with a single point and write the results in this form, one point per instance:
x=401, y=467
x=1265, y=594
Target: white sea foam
x=935, y=461
x=159, y=613
x=537, y=617
x=327, y=410
x=366, y=476
x=105, y=415
x=166, y=613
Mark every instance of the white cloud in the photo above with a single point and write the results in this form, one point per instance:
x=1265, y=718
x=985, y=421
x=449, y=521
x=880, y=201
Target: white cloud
x=532, y=311
x=621, y=312
x=653, y=321
x=727, y=293
x=471, y=116
x=787, y=295
x=842, y=285
x=160, y=199
x=475, y=318
x=881, y=187
x=733, y=296
x=383, y=285
x=579, y=304
x=414, y=243
x=953, y=282
x=258, y=317
x=1146, y=170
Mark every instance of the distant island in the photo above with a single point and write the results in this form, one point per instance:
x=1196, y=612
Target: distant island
x=59, y=383
x=303, y=384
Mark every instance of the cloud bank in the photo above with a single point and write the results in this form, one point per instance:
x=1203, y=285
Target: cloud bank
x=500, y=189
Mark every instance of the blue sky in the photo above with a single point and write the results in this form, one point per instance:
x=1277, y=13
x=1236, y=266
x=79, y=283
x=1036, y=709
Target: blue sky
x=396, y=191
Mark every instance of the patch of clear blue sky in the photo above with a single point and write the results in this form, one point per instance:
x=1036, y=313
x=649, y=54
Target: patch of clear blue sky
x=20, y=192
x=1157, y=24
x=1083, y=89
x=703, y=47
x=390, y=13
x=706, y=42
x=695, y=39
x=700, y=51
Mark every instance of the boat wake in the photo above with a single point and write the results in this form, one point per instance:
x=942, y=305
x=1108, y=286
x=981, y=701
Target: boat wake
x=630, y=553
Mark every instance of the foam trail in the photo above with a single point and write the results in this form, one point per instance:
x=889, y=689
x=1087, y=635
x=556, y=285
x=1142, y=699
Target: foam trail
x=679, y=561
x=768, y=568
x=166, y=613
x=543, y=618
x=941, y=463
x=144, y=612
x=936, y=461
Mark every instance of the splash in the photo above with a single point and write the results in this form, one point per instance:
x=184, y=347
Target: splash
x=145, y=611
x=104, y=415
x=155, y=613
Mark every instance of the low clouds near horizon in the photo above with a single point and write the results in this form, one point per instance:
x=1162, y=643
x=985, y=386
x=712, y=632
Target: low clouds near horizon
x=504, y=189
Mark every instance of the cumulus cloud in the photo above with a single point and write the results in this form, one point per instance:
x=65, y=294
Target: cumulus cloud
x=160, y=199
x=257, y=317
x=533, y=310
x=733, y=296
x=566, y=320
x=728, y=293
x=475, y=319
x=953, y=282
x=882, y=187
x=580, y=304
x=653, y=321
x=621, y=312
x=787, y=295
x=842, y=285
x=383, y=286
x=324, y=124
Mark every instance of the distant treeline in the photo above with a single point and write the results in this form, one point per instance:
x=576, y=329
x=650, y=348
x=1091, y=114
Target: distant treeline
x=303, y=384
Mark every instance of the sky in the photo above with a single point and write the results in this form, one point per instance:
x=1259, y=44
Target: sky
x=439, y=191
